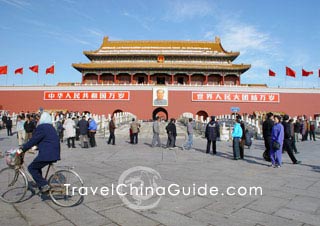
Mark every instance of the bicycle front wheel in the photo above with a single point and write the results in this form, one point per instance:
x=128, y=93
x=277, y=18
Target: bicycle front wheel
x=13, y=185
x=65, y=186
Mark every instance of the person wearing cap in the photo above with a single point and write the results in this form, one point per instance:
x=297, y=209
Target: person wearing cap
x=288, y=139
x=47, y=140
x=212, y=133
x=236, y=135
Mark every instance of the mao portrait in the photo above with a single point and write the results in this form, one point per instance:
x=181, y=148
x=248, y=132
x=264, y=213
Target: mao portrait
x=160, y=97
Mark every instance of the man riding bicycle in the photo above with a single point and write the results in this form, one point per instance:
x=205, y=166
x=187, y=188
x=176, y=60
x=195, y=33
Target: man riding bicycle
x=47, y=140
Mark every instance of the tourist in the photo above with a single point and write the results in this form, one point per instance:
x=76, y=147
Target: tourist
x=266, y=131
x=9, y=126
x=296, y=128
x=20, y=130
x=311, y=131
x=92, y=129
x=171, y=131
x=29, y=127
x=174, y=133
x=112, y=128
x=134, y=127
x=189, y=142
x=212, y=133
x=243, y=139
x=276, y=144
x=236, y=135
x=59, y=126
x=83, y=132
x=304, y=130
x=294, y=147
x=70, y=131
x=76, y=121
x=287, y=142
x=248, y=138
x=156, y=132
x=4, y=121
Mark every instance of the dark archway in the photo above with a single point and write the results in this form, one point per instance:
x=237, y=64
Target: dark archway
x=161, y=112
x=203, y=113
x=117, y=111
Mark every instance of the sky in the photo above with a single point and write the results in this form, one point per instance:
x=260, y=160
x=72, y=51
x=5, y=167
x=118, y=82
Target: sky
x=269, y=34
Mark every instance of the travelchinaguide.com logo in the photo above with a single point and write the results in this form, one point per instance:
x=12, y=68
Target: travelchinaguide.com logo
x=137, y=188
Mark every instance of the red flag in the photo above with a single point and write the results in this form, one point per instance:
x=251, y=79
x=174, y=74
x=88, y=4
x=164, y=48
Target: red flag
x=19, y=71
x=290, y=72
x=34, y=68
x=272, y=73
x=3, y=70
x=50, y=70
x=306, y=73
x=319, y=73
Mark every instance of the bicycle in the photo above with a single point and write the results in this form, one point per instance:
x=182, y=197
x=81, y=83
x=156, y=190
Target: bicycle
x=64, y=184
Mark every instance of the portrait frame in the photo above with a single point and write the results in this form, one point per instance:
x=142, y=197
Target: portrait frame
x=160, y=96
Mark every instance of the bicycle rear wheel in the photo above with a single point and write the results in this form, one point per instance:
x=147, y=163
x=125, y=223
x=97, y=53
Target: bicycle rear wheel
x=13, y=185
x=65, y=186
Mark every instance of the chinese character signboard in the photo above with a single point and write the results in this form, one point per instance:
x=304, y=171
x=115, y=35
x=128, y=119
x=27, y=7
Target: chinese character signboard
x=236, y=97
x=86, y=95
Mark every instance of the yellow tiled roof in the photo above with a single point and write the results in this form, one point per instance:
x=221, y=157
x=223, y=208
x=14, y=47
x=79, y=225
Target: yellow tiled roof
x=160, y=45
x=136, y=65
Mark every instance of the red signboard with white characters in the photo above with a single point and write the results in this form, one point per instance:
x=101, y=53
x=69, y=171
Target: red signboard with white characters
x=236, y=97
x=86, y=95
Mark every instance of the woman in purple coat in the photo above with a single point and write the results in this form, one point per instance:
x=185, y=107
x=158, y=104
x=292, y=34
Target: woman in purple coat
x=277, y=135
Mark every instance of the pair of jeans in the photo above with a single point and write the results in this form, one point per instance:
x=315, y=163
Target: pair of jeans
x=236, y=147
x=189, y=143
x=156, y=140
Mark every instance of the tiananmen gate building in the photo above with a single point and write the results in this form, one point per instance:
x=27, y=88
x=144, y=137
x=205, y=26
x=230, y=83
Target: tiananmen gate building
x=170, y=78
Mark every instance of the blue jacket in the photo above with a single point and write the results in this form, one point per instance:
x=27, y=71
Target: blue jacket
x=277, y=135
x=237, y=131
x=47, y=140
x=92, y=125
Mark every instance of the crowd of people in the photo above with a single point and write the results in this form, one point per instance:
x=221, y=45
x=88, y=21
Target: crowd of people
x=284, y=131
x=281, y=134
x=67, y=128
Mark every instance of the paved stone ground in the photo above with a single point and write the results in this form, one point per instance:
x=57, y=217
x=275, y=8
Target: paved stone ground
x=290, y=194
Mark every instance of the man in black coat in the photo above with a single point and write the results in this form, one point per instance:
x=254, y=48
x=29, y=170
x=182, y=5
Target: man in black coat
x=267, y=130
x=288, y=138
x=171, y=131
x=212, y=133
x=83, y=131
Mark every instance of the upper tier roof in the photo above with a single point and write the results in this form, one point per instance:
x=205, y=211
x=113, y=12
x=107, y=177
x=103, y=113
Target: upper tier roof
x=161, y=47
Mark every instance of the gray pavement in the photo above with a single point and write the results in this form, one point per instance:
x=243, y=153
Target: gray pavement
x=290, y=193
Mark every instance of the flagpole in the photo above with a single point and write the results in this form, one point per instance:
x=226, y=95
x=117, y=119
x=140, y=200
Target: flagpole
x=302, y=78
x=285, y=81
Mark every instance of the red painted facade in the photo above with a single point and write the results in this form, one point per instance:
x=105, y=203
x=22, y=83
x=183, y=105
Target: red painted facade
x=140, y=103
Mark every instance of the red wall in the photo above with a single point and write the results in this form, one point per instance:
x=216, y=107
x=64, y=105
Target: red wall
x=140, y=104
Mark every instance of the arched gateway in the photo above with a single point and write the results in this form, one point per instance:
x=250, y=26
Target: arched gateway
x=161, y=112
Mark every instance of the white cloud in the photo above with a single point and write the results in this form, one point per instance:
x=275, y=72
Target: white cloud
x=181, y=10
x=142, y=20
x=245, y=37
x=22, y=4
